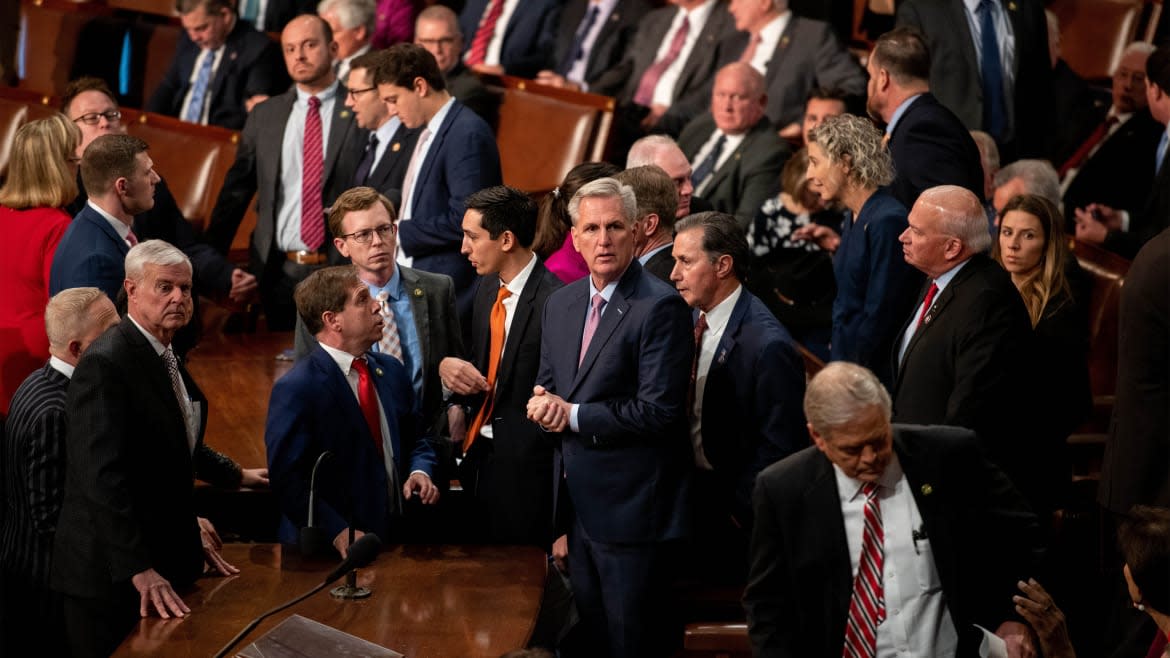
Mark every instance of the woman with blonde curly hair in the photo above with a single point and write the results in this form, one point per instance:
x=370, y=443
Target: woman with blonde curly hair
x=42, y=177
x=847, y=164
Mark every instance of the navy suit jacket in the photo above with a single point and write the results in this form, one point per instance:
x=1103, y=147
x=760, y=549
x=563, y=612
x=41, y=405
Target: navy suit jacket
x=461, y=159
x=311, y=410
x=627, y=470
x=90, y=254
x=529, y=39
x=251, y=64
x=797, y=596
x=930, y=147
x=752, y=402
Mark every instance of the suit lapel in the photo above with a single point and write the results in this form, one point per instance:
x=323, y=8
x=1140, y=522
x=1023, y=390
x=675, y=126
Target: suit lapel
x=705, y=45
x=273, y=139
x=525, y=308
x=96, y=219
x=393, y=151
x=422, y=318
x=823, y=500
x=342, y=123
x=385, y=395
x=436, y=147
x=773, y=69
x=159, y=378
x=958, y=16
x=930, y=498
x=612, y=316
x=337, y=387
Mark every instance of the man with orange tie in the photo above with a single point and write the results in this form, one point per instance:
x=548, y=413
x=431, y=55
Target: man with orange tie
x=418, y=308
x=507, y=463
x=884, y=539
x=358, y=405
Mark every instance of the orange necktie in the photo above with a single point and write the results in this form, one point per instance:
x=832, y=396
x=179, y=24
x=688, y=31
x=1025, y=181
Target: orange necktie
x=498, y=328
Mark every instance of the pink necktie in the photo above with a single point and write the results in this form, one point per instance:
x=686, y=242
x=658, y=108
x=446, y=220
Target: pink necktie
x=312, y=176
x=131, y=238
x=591, y=325
x=411, y=172
x=749, y=53
x=867, y=607
x=653, y=74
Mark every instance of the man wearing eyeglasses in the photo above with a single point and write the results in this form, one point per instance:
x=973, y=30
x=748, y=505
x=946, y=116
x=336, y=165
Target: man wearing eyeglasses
x=387, y=154
x=418, y=308
x=437, y=30
x=91, y=106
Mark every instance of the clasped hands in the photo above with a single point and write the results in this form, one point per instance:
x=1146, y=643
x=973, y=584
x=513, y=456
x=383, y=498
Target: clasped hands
x=548, y=410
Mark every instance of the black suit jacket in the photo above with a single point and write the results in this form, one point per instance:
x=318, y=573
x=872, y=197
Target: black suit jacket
x=692, y=92
x=1134, y=469
x=801, y=580
x=615, y=37
x=661, y=264
x=388, y=174
x=969, y=360
x=751, y=173
x=511, y=475
x=809, y=54
x=1120, y=172
x=256, y=173
x=955, y=72
x=467, y=88
x=1148, y=222
x=528, y=37
x=930, y=147
x=251, y=64
x=129, y=492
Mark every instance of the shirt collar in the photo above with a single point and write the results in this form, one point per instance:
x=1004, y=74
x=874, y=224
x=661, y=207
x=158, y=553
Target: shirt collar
x=720, y=314
x=607, y=291
x=344, y=360
x=645, y=258
x=697, y=17
x=771, y=32
x=61, y=367
x=905, y=105
x=122, y=228
x=159, y=348
x=516, y=285
x=437, y=120
x=326, y=95
x=850, y=488
x=393, y=287
x=386, y=131
x=945, y=277
x=358, y=53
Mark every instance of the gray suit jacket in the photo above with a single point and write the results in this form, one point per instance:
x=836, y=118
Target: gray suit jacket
x=808, y=55
x=432, y=298
x=751, y=173
x=256, y=172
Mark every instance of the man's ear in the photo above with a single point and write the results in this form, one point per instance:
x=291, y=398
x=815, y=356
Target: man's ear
x=725, y=266
x=650, y=224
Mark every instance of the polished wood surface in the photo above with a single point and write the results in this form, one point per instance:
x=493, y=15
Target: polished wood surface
x=236, y=373
x=427, y=602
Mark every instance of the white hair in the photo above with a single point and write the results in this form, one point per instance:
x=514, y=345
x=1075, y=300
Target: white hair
x=840, y=391
x=351, y=13
x=644, y=151
x=153, y=252
x=605, y=188
x=1039, y=178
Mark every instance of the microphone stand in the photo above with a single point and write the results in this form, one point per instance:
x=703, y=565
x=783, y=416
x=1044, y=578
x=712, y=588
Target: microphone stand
x=350, y=590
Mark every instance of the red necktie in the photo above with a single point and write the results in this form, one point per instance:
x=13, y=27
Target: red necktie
x=131, y=238
x=867, y=607
x=368, y=401
x=653, y=74
x=700, y=329
x=1082, y=153
x=312, y=175
x=498, y=330
x=483, y=36
x=930, y=293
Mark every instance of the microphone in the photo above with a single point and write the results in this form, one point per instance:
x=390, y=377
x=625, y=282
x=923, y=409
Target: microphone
x=361, y=553
x=313, y=540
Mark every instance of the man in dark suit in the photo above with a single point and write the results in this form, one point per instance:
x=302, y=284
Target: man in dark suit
x=592, y=37
x=873, y=499
x=90, y=104
x=507, y=460
x=222, y=67
x=964, y=351
x=928, y=143
x=660, y=87
x=509, y=36
x=120, y=177
x=32, y=473
x=795, y=54
x=128, y=539
x=357, y=404
x=1111, y=165
x=422, y=304
x=353, y=23
x=748, y=388
x=735, y=153
x=657, y=204
x=1018, y=110
x=1122, y=232
x=611, y=392
x=437, y=30
x=295, y=168
x=664, y=153
x=455, y=155
x=383, y=164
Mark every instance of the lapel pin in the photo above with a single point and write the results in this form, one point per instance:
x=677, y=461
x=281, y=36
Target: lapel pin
x=418, y=292
x=722, y=357
x=1011, y=6
x=378, y=371
x=927, y=489
x=784, y=41
x=395, y=147
x=232, y=55
x=345, y=114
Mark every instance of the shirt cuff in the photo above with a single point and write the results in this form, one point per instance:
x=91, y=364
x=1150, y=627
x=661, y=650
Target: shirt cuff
x=573, y=418
x=1125, y=221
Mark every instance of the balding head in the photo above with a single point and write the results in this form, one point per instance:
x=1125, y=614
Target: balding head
x=947, y=226
x=738, y=100
x=663, y=152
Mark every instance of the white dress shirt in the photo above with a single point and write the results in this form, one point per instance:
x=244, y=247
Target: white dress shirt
x=515, y=287
x=604, y=9
x=769, y=37
x=697, y=18
x=496, y=45
x=717, y=319
x=729, y=146
x=292, y=148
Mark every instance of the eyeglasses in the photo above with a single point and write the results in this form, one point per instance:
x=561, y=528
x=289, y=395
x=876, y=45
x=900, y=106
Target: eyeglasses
x=364, y=236
x=445, y=42
x=93, y=118
x=353, y=93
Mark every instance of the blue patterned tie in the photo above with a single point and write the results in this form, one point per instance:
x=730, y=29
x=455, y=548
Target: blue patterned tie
x=194, y=112
x=994, y=112
x=578, y=50
x=707, y=166
x=1161, y=153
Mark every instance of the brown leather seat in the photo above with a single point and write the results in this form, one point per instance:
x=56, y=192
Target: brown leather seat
x=723, y=640
x=1094, y=33
x=50, y=33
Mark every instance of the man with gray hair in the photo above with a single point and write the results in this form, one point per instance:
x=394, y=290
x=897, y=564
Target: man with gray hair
x=128, y=537
x=1036, y=177
x=963, y=355
x=352, y=22
x=749, y=380
x=663, y=152
x=837, y=520
x=32, y=474
x=615, y=356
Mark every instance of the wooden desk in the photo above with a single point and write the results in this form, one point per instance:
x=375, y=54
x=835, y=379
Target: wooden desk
x=428, y=602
